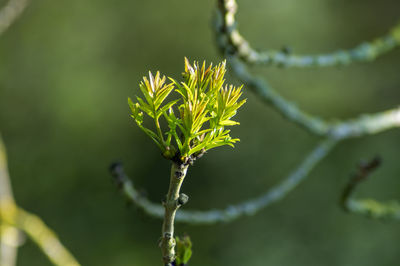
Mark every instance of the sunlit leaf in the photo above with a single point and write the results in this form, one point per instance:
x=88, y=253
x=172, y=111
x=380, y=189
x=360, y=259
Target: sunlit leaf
x=183, y=250
x=207, y=107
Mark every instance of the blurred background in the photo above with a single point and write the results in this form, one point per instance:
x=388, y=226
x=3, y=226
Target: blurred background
x=67, y=68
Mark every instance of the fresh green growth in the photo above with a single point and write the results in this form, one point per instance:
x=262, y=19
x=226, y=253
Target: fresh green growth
x=205, y=107
x=183, y=250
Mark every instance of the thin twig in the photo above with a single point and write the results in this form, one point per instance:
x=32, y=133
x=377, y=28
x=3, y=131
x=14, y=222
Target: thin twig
x=249, y=207
x=366, y=51
x=368, y=207
x=13, y=217
x=225, y=30
x=363, y=125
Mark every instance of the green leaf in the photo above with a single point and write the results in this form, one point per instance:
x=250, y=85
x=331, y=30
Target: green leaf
x=228, y=123
x=166, y=107
x=153, y=136
x=207, y=107
x=145, y=92
x=162, y=94
x=145, y=107
x=183, y=250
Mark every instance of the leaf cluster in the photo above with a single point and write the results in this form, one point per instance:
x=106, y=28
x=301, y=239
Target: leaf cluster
x=197, y=119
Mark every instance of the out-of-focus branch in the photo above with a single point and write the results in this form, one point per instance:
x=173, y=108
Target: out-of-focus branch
x=366, y=51
x=232, y=212
x=368, y=207
x=10, y=12
x=9, y=237
x=38, y=231
x=363, y=125
x=10, y=240
x=332, y=131
x=268, y=95
x=13, y=219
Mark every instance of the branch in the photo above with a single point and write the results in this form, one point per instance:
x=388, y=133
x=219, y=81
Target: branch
x=38, y=231
x=10, y=237
x=366, y=51
x=364, y=125
x=249, y=207
x=333, y=132
x=173, y=201
x=10, y=12
x=12, y=217
x=368, y=207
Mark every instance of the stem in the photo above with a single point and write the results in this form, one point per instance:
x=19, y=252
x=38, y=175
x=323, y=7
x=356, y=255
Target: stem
x=159, y=131
x=171, y=204
x=158, y=127
x=233, y=211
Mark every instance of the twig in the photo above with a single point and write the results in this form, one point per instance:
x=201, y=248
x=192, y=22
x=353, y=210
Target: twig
x=11, y=216
x=249, y=207
x=366, y=51
x=368, y=207
x=38, y=231
x=363, y=125
x=9, y=235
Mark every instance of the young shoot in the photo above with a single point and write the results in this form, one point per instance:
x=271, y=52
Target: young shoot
x=197, y=120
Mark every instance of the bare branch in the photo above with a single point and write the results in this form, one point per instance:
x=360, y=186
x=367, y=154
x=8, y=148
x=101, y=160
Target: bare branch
x=232, y=212
x=43, y=236
x=363, y=125
x=366, y=51
x=366, y=124
x=368, y=207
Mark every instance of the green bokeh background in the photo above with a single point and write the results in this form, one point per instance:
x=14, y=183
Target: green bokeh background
x=67, y=68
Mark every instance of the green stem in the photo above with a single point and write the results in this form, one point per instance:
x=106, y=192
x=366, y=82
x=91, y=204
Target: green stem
x=159, y=132
x=171, y=205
